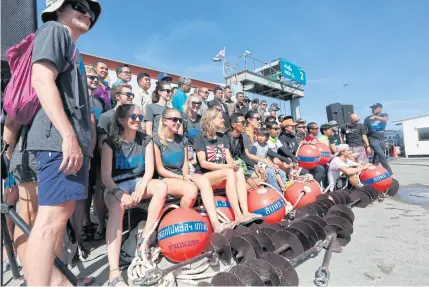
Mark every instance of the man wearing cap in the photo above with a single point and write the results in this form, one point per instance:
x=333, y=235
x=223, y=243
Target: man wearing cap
x=227, y=99
x=342, y=164
x=255, y=105
x=141, y=97
x=263, y=109
x=376, y=124
x=301, y=132
x=272, y=111
x=180, y=97
x=164, y=77
x=355, y=136
x=60, y=134
x=335, y=139
x=240, y=107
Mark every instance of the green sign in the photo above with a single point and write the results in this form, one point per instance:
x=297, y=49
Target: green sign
x=292, y=72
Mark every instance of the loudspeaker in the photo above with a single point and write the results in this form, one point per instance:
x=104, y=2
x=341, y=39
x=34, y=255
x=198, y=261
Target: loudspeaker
x=347, y=111
x=18, y=19
x=335, y=113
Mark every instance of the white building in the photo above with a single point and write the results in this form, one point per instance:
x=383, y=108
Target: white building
x=416, y=135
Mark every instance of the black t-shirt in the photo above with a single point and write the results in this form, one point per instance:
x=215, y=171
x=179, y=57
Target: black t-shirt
x=353, y=134
x=191, y=128
x=173, y=155
x=375, y=127
x=335, y=140
x=215, y=149
x=128, y=160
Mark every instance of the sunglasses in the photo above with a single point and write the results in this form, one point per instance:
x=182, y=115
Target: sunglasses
x=135, y=117
x=241, y=122
x=196, y=103
x=314, y=128
x=166, y=90
x=129, y=95
x=263, y=104
x=79, y=7
x=175, y=119
x=276, y=129
x=247, y=101
x=257, y=118
x=301, y=127
x=92, y=78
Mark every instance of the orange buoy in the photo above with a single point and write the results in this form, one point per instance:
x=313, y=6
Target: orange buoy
x=325, y=153
x=308, y=156
x=294, y=191
x=315, y=187
x=222, y=204
x=182, y=234
x=377, y=177
x=268, y=203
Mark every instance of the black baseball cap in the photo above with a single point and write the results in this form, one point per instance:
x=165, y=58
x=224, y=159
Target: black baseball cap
x=255, y=101
x=377, y=105
x=246, y=99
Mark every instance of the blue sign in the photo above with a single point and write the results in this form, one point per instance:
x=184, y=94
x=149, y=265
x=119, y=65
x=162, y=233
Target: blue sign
x=292, y=72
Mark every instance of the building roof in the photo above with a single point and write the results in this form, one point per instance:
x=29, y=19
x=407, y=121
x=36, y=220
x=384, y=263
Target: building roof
x=399, y=122
x=112, y=64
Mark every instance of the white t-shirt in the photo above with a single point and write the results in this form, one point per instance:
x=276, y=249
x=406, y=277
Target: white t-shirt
x=334, y=170
x=274, y=145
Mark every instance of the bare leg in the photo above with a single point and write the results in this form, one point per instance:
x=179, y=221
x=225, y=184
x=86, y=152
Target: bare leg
x=184, y=189
x=226, y=177
x=240, y=182
x=114, y=235
x=207, y=196
x=77, y=219
x=10, y=197
x=28, y=205
x=354, y=180
x=47, y=232
x=157, y=189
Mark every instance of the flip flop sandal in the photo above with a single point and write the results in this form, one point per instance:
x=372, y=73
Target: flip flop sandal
x=116, y=281
x=86, y=281
x=250, y=218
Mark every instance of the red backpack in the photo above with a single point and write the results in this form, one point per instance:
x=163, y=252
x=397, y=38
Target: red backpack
x=20, y=100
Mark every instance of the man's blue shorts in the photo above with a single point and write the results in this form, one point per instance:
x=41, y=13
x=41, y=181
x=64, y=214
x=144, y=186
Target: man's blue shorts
x=54, y=186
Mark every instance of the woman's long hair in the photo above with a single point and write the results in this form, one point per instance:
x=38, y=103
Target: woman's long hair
x=122, y=112
x=165, y=114
x=207, y=121
x=187, y=106
x=159, y=86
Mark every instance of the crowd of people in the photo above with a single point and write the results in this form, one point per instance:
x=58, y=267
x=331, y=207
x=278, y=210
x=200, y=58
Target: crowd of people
x=106, y=146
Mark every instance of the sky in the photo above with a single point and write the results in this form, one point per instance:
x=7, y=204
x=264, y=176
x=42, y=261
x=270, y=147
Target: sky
x=380, y=49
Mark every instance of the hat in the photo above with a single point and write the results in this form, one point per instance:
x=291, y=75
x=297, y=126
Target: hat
x=333, y=123
x=246, y=99
x=300, y=121
x=274, y=107
x=340, y=148
x=255, y=101
x=377, y=105
x=164, y=77
x=263, y=102
x=53, y=5
x=288, y=122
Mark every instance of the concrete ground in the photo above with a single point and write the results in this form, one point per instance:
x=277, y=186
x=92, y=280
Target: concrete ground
x=389, y=245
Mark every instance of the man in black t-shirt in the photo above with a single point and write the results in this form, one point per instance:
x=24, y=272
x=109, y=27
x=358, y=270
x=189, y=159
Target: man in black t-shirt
x=376, y=124
x=354, y=134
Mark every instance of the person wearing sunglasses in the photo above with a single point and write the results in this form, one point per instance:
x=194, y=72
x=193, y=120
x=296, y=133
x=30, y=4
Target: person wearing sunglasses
x=61, y=138
x=214, y=160
x=277, y=148
x=253, y=122
x=312, y=132
x=191, y=125
x=128, y=166
x=171, y=160
x=160, y=98
x=123, y=72
x=122, y=95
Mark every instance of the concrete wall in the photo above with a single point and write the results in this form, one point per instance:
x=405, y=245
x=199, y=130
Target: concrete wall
x=411, y=140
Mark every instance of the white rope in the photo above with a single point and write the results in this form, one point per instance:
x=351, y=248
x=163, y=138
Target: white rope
x=288, y=205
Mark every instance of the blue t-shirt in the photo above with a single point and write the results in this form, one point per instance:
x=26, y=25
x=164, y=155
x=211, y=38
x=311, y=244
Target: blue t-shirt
x=179, y=100
x=173, y=154
x=375, y=127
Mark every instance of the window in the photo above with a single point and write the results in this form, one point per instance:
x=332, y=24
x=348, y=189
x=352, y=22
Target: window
x=423, y=134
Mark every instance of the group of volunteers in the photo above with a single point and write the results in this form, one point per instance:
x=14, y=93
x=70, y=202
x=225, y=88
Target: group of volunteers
x=101, y=144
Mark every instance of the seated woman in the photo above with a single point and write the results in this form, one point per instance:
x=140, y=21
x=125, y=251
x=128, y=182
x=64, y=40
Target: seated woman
x=340, y=163
x=128, y=165
x=171, y=159
x=215, y=162
x=191, y=124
